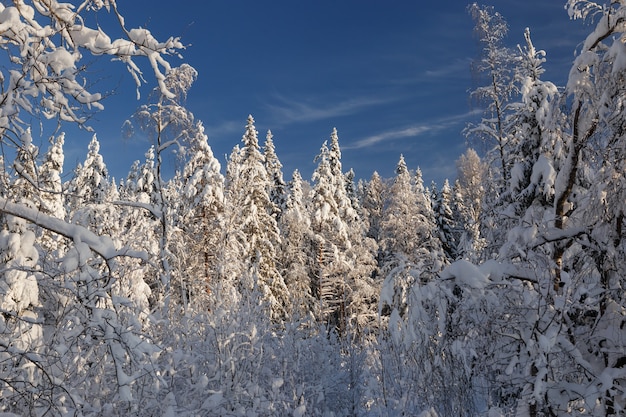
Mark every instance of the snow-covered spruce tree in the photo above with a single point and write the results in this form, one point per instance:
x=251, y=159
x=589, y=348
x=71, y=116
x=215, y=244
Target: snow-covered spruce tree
x=534, y=122
x=252, y=231
x=398, y=239
x=363, y=289
x=411, y=250
x=373, y=203
x=52, y=198
x=331, y=242
x=522, y=211
x=427, y=226
x=278, y=188
x=136, y=229
x=345, y=257
x=444, y=218
x=297, y=250
x=231, y=265
x=351, y=191
x=87, y=190
x=141, y=227
x=200, y=212
x=45, y=45
x=90, y=199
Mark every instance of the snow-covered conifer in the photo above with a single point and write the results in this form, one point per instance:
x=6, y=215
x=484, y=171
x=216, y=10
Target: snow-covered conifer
x=278, y=192
x=345, y=256
x=50, y=173
x=297, y=250
x=90, y=181
x=255, y=232
x=373, y=203
x=200, y=215
x=444, y=217
x=400, y=217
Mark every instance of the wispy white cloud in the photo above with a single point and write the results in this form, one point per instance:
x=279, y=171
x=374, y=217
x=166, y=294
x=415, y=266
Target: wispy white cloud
x=288, y=111
x=457, y=66
x=409, y=132
x=412, y=131
x=225, y=129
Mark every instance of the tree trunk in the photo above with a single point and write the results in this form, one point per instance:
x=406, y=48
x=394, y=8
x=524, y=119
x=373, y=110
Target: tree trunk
x=570, y=172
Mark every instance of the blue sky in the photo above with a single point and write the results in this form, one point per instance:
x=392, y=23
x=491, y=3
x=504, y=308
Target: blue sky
x=392, y=77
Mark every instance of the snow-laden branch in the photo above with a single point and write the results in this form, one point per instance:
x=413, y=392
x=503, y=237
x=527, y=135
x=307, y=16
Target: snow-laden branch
x=487, y=274
x=102, y=245
x=148, y=207
x=44, y=42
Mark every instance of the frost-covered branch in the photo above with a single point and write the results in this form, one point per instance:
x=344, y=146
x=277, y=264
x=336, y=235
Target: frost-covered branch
x=45, y=42
x=148, y=207
x=102, y=245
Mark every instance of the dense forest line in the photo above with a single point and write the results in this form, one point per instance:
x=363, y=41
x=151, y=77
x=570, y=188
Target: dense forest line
x=236, y=292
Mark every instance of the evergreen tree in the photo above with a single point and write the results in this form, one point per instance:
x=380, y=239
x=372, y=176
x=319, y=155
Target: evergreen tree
x=201, y=211
x=142, y=227
x=331, y=236
x=444, y=218
x=90, y=179
x=527, y=203
x=231, y=262
x=400, y=219
x=51, y=185
x=426, y=230
x=297, y=250
x=257, y=235
x=411, y=250
x=88, y=190
x=278, y=194
x=373, y=204
x=345, y=259
x=351, y=191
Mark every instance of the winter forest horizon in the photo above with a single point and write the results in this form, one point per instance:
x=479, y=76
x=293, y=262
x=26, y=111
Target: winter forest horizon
x=235, y=291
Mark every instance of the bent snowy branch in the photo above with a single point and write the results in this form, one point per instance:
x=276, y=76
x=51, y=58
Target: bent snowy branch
x=102, y=245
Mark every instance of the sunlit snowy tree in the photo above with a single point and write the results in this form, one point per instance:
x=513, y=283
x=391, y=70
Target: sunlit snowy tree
x=255, y=231
x=297, y=250
x=278, y=191
x=497, y=64
x=200, y=216
x=444, y=217
x=52, y=195
x=331, y=235
x=171, y=127
x=46, y=43
x=373, y=203
x=469, y=198
x=345, y=257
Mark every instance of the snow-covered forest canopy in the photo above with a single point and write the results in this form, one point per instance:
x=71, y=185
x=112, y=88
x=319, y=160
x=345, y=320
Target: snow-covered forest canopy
x=232, y=291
